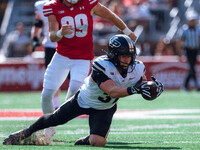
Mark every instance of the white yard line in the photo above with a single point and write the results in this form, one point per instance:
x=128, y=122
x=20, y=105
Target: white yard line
x=159, y=114
x=155, y=126
x=167, y=142
x=155, y=133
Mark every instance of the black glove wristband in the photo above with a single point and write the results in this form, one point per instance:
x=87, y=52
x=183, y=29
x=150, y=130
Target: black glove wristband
x=133, y=90
x=129, y=91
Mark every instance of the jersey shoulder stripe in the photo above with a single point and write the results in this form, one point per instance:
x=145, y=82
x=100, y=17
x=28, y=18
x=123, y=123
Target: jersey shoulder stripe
x=92, y=1
x=98, y=67
x=99, y=64
x=48, y=8
x=47, y=11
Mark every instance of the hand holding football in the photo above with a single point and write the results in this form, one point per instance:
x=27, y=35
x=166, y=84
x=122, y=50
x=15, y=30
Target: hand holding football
x=151, y=91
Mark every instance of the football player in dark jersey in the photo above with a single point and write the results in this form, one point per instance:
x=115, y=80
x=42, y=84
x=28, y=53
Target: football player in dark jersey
x=71, y=26
x=115, y=75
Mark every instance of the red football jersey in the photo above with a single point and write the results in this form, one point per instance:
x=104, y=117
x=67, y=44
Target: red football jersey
x=78, y=45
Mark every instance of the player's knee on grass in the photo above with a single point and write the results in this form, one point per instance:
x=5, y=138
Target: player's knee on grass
x=96, y=140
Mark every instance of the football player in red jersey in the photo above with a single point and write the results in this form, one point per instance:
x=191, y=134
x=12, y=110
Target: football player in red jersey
x=71, y=26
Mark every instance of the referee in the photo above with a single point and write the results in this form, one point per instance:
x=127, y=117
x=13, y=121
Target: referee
x=190, y=40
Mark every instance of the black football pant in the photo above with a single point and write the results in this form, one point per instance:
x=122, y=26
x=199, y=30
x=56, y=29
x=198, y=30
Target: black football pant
x=191, y=55
x=99, y=120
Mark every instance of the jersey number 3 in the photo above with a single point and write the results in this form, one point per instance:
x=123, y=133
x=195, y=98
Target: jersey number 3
x=79, y=22
x=106, y=99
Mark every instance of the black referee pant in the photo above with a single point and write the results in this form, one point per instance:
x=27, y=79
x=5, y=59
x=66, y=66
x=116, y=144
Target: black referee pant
x=191, y=55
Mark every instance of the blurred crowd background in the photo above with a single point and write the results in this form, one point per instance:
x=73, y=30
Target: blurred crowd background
x=155, y=22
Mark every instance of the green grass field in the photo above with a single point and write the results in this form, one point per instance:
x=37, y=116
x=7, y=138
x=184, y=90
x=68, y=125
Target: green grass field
x=170, y=122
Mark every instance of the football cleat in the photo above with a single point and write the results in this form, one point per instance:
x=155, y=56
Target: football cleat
x=83, y=141
x=17, y=137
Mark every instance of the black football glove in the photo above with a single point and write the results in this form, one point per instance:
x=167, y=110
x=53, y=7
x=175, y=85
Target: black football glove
x=159, y=85
x=35, y=43
x=145, y=89
x=138, y=89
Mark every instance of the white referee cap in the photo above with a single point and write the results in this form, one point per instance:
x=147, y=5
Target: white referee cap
x=191, y=15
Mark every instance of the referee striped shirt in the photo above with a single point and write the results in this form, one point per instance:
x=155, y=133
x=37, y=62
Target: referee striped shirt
x=191, y=37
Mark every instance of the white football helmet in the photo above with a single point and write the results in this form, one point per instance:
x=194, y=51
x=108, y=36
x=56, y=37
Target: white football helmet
x=73, y=1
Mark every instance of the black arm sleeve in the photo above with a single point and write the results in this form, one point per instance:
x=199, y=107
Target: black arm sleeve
x=99, y=77
x=38, y=23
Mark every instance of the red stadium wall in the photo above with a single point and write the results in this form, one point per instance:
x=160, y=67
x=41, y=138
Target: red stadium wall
x=169, y=70
x=19, y=75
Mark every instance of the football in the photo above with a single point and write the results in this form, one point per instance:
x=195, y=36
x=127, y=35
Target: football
x=153, y=90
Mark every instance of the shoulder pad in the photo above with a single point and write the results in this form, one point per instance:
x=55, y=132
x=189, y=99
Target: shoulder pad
x=98, y=64
x=48, y=8
x=140, y=66
x=138, y=61
x=39, y=3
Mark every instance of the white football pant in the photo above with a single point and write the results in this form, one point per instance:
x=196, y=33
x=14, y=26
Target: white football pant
x=57, y=72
